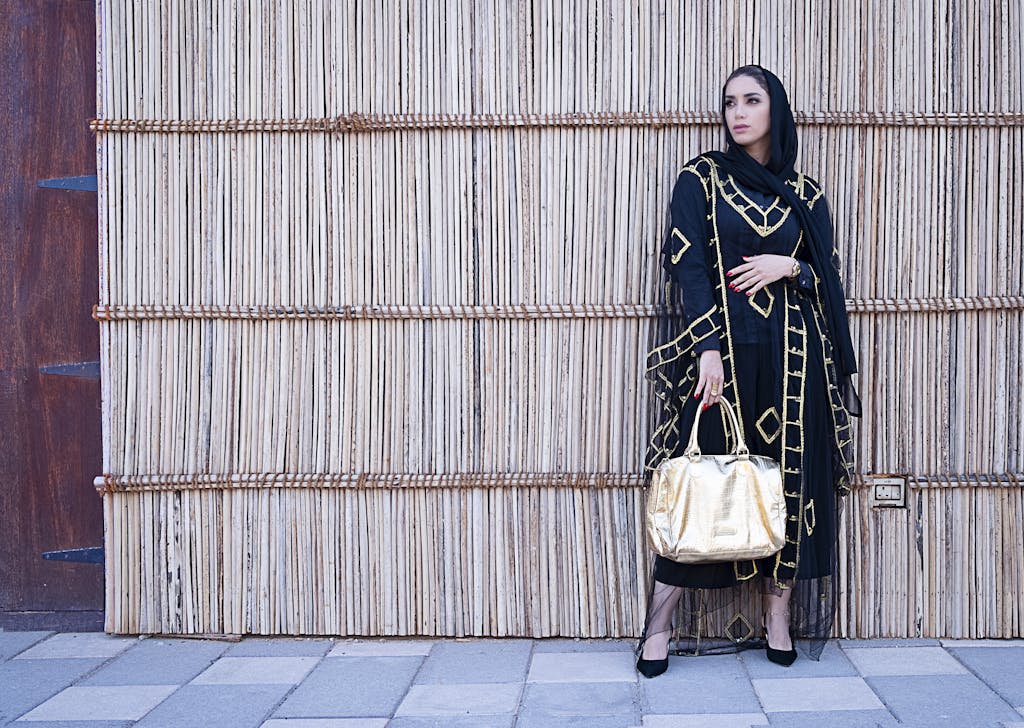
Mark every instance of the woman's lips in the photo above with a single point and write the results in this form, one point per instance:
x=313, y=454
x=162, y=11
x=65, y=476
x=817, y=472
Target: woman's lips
x=739, y=128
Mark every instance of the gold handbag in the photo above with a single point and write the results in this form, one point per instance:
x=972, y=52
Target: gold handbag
x=703, y=508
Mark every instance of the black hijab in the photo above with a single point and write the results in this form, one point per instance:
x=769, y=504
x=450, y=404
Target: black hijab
x=771, y=179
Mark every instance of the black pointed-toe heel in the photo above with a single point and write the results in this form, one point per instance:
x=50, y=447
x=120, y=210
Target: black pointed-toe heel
x=779, y=657
x=651, y=668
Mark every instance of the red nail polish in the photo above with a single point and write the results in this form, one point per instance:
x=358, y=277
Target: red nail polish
x=729, y=274
x=750, y=293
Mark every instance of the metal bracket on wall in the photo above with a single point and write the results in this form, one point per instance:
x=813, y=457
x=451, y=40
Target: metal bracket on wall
x=84, y=369
x=86, y=183
x=91, y=555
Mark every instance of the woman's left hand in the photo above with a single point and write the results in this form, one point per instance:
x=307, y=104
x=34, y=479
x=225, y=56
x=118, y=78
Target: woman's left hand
x=758, y=272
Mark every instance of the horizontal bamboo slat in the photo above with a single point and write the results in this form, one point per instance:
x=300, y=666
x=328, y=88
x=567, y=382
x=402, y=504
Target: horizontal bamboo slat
x=226, y=481
x=107, y=312
x=361, y=123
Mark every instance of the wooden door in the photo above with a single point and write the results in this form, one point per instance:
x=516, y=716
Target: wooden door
x=49, y=386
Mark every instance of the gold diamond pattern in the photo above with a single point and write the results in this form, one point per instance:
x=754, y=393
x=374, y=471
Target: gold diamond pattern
x=746, y=624
x=810, y=518
x=761, y=309
x=685, y=245
x=774, y=422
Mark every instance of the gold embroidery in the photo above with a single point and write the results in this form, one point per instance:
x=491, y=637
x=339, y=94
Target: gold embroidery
x=767, y=226
x=684, y=248
x=763, y=310
x=776, y=425
x=744, y=577
x=730, y=380
x=791, y=420
x=738, y=617
x=801, y=185
x=810, y=523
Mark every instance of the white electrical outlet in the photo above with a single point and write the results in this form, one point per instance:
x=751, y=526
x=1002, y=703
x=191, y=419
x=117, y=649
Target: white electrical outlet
x=888, y=491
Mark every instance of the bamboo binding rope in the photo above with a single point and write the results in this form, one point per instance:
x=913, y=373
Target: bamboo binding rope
x=120, y=483
x=359, y=266
x=109, y=312
x=356, y=123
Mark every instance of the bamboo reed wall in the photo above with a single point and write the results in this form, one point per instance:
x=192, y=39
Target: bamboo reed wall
x=377, y=284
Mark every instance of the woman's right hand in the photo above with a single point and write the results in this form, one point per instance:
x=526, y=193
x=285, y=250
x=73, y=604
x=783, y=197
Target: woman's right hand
x=711, y=380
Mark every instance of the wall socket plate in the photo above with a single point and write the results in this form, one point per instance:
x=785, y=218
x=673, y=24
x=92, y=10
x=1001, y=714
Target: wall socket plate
x=888, y=491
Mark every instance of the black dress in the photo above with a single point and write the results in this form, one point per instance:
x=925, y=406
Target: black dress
x=779, y=373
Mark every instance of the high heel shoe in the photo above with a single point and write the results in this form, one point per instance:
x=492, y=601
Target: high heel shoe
x=650, y=668
x=779, y=657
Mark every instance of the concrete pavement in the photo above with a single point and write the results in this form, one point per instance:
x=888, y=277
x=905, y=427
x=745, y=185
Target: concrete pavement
x=98, y=681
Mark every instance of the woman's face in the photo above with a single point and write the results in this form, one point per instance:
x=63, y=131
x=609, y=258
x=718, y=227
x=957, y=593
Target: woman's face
x=747, y=112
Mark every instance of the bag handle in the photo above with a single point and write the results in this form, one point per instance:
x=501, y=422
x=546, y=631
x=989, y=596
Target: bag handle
x=693, y=449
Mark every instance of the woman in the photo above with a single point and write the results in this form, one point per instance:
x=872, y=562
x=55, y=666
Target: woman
x=751, y=260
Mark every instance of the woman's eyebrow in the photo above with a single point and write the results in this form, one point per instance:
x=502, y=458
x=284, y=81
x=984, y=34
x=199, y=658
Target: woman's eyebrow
x=747, y=95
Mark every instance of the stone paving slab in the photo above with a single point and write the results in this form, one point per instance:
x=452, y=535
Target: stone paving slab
x=982, y=643
x=707, y=720
x=907, y=642
x=77, y=645
x=11, y=643
x=580, y=645
x=72, y=724
x=585, y=667
x=835, y=719
x=815, y=694
x=1000, y=669
x=557, y=703
x=24, y=684
x=880, y=661
x=577, y=721
x=223, y=706
x=280, y=647
x=101, y=702
x=473, y=661
x=710, y=684
x=326, y=723
x=382, y=648
x=435, y=701
x=942, y=700
x=352, y=687
x=475, y=721
x=257, y=671
x=158, y=662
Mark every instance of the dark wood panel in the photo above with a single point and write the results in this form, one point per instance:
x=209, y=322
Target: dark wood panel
x=50, y=440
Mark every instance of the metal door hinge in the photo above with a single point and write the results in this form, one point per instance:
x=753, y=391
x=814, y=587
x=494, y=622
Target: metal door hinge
x=86, y=183
x=91, y=555
x=85, y=369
